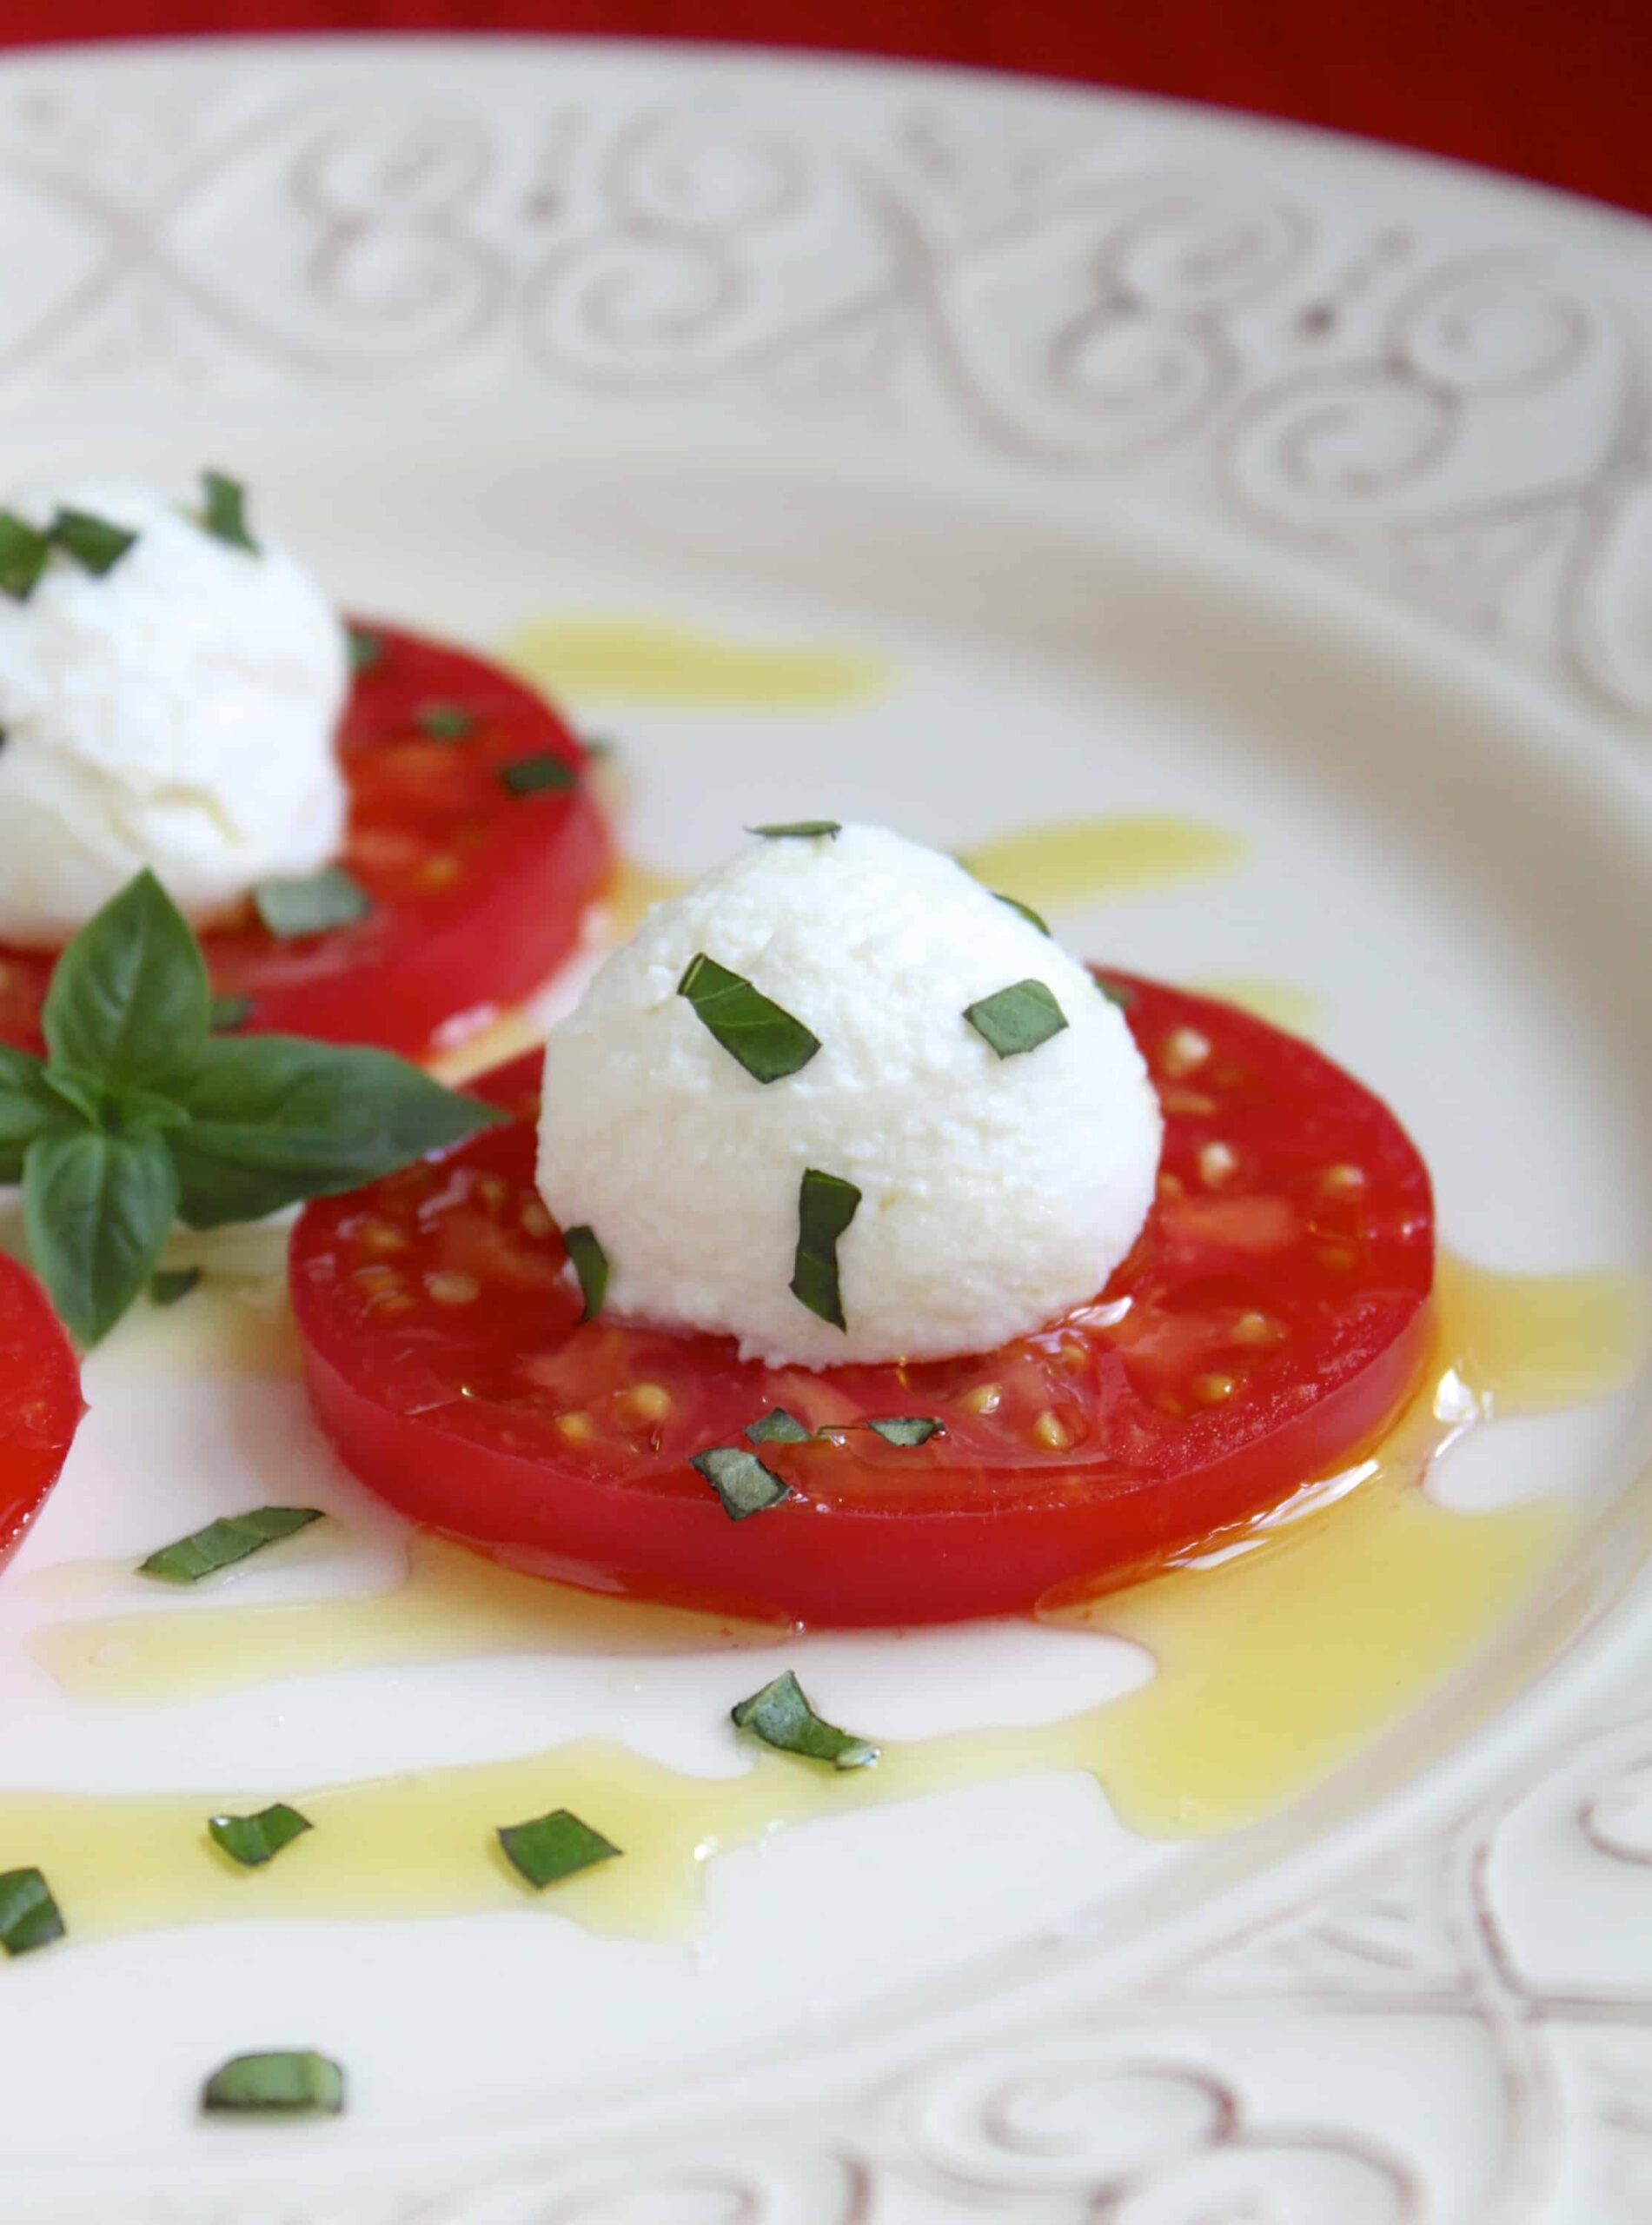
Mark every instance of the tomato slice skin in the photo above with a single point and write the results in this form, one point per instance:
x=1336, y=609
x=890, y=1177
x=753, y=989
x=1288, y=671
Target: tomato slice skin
x=40, y=1402
x=1273, y=1316
x=477, y=892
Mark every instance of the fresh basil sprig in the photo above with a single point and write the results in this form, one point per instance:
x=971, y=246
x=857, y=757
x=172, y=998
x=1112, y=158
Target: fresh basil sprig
x=138, y=1115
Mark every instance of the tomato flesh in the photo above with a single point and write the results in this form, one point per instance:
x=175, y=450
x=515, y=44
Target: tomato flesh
x=477, y=891
x=40, y=1402
x=1273, y=1316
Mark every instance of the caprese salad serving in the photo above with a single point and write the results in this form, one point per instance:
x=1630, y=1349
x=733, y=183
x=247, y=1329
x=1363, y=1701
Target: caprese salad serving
x=383, y=839
x=855, y=1253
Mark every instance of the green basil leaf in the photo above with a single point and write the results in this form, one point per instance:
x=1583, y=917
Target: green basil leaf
x=1033, y=918
x=590, y=1264
x=750, y=1028
x=253, y=1840
x=128, y=1000
x=230, y=1014
x=96, y=1211
x=906, y=1429
x=741, y=1480
x=445, y=721
x=367, y=650
x=541, y=774
x=221, y=1543
x=172, y=1283
x=276, y=1119
x=554, y=1846
x=1017, y=1018
x=311, y=904
x=96, y=545
x=826, y=1205
x=777, y=1427
x=780, y=1716
x=293, y=2081
x=27, y=1105
x=29, y=1916
x=224, y=514
x=24, y=553
x=798, y=830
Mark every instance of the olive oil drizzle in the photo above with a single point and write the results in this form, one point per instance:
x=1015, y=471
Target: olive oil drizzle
x=1279, y=1655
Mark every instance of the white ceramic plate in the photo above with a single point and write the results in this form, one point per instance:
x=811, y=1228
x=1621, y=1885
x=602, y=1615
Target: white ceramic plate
x=1166, y=464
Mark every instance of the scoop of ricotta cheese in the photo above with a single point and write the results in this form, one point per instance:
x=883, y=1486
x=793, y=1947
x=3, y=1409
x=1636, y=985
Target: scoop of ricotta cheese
x=998, y=1189
x=178, y=711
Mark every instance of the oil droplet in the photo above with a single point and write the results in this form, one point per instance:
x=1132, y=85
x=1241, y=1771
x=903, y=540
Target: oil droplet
x=452, y=1606
x=1279, y=1653
x=627, y=662
x=1087, y=861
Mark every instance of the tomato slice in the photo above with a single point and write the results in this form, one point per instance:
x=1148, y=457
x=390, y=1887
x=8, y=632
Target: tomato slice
x=40, y=1402
x=478, y=888
x=1273, y=1316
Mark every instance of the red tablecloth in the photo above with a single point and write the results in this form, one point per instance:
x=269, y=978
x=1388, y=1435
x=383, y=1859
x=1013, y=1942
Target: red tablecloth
x=1559, y=90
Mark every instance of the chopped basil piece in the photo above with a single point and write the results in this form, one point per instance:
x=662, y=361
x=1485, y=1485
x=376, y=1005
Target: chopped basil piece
x=590, y=1263
x=555, y=1846
x=598, y=746
x=766, y=1040
x=741, y=1480
x=446, y=721
x=906, y=1429
x=29, y=1916
x=226, y=1014
x=798, y=830
x=311, y=905
x=253, y=1840
x=780, y=1716
x=541, y=774
x=1116, y=992
x=220, y=1544
x=96, y=545
x=777, y=1427
x=224, y=514
x=1032, y=918
x=367, y=651
x=294, y=2080
x=826, y=1205
x=1017, y=1018
x=171, y=1284
x=24, y=551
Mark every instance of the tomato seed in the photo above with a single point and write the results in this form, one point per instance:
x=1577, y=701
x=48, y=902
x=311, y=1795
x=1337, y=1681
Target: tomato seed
x=1218, y=1163
x=1343, y=1181
x=1184, y=1050
x=1256, y=1329
x=646, y=1402
x=449, y=1288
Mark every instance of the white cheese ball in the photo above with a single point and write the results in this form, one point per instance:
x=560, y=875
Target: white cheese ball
x=180, y=711
x=997, y=1193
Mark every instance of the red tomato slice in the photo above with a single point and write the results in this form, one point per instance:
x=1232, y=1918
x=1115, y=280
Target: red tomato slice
x=477, y=890
x=40, y=1402
x=1272, y=1319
